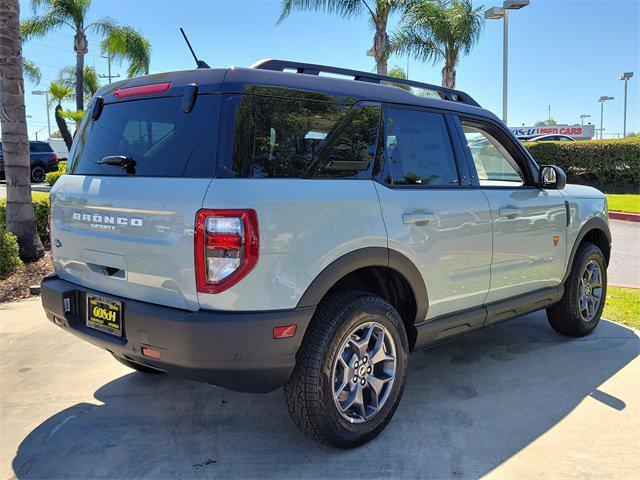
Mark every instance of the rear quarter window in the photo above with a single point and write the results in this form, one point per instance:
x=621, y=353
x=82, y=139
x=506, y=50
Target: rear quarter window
x=162, y=139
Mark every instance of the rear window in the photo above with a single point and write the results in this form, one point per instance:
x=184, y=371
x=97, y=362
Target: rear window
x=162, y=139
x=276, y=137
x=40, y=147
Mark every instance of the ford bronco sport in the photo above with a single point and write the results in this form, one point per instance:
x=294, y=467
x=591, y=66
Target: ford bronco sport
x=271, y=226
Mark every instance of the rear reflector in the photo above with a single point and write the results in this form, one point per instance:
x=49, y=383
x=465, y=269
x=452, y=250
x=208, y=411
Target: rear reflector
x=150, y=352
x=284, y=332
x=142, y=90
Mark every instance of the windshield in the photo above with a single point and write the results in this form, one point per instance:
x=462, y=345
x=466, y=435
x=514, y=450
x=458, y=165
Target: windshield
x=155, y=133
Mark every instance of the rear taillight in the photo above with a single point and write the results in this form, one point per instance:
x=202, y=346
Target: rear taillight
x=55, y=158
x=226, y=248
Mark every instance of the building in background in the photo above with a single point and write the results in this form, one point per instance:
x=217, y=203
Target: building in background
x=577, y=132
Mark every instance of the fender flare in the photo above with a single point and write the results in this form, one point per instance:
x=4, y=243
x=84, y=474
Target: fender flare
x=594, y=223
x=368, y=257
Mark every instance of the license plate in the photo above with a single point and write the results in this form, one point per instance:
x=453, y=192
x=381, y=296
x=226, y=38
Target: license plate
x=104, y=314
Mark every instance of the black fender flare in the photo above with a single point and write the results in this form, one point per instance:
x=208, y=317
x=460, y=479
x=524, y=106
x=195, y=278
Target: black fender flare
x=368, y=257
x=595, y=223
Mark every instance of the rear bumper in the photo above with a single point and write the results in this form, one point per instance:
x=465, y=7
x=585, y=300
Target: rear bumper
x=235, y=350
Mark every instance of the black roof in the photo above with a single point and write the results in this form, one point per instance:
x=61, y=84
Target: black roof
x=363, y=86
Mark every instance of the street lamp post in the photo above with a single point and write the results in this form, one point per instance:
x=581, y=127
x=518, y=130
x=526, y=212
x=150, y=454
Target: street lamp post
x=602, y=100
x=625, y=77
x=39, y=132
x=46, y=97
x=583, y=116
x=496, y=13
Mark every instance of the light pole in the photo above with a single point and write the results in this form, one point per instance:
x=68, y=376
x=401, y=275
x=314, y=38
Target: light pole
x=625, y=76
x=602, y=100
x=496, y=13
x=46, y=97
x=583, y=116
x=39, y=132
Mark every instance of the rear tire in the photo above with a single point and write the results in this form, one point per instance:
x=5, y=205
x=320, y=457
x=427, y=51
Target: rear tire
x=138, y=367
x=356, y=342
x=578, y=312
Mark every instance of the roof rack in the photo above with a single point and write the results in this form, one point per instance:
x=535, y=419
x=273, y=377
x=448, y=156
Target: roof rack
x=313, y=69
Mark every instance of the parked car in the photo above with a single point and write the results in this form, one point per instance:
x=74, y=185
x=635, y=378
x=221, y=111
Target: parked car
x=256, y=228
x=60, y=148
x=551, y=138
x=43, y=160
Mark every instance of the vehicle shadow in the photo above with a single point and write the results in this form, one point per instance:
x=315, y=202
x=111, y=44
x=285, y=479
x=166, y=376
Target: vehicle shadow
x=469, y=405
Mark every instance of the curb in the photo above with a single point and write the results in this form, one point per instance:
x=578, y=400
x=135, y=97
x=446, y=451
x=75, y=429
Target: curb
x=629, y=217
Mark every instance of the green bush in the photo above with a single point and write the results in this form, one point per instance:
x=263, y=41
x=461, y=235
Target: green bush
x=9, y=258
x=53, y=177
x=603, y=162
x=41, y=210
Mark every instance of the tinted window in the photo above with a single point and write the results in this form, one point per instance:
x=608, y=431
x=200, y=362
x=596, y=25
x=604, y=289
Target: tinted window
x=40, y=147
x=419, y=149
x=155, y=133
x=494, y=165
x=275, y=137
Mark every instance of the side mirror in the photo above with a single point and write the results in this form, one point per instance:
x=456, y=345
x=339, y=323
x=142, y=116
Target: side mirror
x=552, y=177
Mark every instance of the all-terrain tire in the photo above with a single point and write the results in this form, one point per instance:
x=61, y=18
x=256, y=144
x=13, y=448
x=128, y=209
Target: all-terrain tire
x=564, y=317
x=309, y=392
x=138, y=367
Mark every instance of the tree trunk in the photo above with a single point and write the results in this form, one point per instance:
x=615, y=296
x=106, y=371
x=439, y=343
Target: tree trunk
x=63, y=127
x=381, y=47
x=15, y=140
x=449, y=76
x=81, y=47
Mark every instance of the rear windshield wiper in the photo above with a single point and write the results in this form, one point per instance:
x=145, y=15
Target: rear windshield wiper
x=128, y=163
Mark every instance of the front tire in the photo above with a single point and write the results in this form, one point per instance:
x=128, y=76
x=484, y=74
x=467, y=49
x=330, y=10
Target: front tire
x=578, y=312
x=350, y=370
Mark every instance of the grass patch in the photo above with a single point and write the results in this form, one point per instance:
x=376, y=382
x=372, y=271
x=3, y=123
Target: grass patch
x=623, y=306
x=624, y=203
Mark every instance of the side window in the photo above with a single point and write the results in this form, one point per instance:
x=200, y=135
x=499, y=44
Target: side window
x=276, y=137
x=495, y=166
x=419, y=149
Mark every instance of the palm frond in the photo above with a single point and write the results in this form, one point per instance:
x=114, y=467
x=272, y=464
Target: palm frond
x=31, y=71
x=344, y=8
x=67, y=78
x=126, y=44
x=39, y=26
x=75, y=115
x=104, y=26
x=59, y=92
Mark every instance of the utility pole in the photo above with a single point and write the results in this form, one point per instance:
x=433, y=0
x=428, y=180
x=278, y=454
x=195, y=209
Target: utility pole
x=549, y=113
x=108, y=75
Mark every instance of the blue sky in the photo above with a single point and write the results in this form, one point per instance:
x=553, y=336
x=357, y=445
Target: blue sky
x=563, y=53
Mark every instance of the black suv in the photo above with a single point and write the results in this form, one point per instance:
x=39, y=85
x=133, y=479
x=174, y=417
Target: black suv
x=43, y=160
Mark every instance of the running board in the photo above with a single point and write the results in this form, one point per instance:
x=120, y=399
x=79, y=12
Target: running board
x=448, y=326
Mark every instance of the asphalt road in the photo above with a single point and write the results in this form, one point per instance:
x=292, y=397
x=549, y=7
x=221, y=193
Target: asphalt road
x=513, y=401
x=37, y=187
x=624, y=268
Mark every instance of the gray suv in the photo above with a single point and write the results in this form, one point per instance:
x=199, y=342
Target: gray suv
x=271, y=226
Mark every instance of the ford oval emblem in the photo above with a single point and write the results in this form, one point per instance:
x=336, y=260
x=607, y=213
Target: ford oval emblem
x=57, y=243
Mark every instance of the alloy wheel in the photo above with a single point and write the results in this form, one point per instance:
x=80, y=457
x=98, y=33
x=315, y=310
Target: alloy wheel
x=364, y=372
x=590, y=291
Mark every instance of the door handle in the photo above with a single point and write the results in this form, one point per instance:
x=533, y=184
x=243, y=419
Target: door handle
x=510, y=211
x=418, y=217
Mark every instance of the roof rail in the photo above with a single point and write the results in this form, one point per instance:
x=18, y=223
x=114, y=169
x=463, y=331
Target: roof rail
x=314, y=69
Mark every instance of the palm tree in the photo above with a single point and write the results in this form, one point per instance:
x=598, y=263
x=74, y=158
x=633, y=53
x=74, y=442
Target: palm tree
x=15, y=140
x=442, y=30
x=76, y=116
x=31, y=71
x=91, y=84
x=60, y=93
x=398, y=72
x=127, y=44
x=72, y=14
x=379, y=16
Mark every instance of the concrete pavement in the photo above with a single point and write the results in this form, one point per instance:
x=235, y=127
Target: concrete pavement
x=513, y=401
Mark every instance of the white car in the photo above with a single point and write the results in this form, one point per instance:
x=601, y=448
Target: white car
x=59, y=148
x=551, y=138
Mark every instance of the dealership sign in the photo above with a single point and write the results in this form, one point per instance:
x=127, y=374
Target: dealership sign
x=579, y=132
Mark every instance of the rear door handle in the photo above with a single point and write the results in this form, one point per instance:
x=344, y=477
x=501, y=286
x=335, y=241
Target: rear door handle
x=418, y=217
x=510, y=211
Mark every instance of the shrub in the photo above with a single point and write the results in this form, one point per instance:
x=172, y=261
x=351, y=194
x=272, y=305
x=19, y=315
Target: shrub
x=604, y=162
x=9, y=258
x=53, y=177
x=41, y=211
